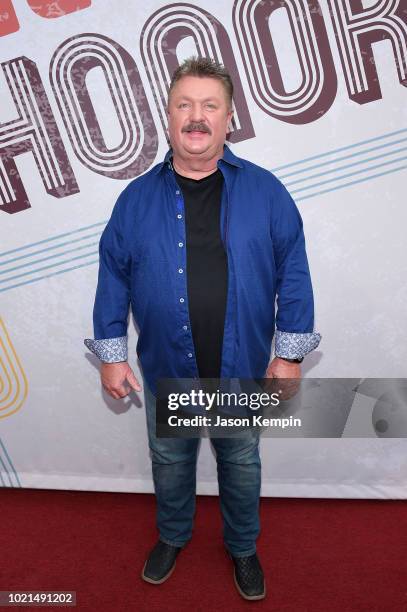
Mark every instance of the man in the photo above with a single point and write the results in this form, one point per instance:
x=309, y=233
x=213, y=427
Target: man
x=201, y=245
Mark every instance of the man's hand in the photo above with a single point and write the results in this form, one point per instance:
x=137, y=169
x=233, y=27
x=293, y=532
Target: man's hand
x=118, y=378
x=280, y=368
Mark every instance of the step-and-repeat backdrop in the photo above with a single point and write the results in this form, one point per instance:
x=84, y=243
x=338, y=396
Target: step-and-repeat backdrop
x=320, y=100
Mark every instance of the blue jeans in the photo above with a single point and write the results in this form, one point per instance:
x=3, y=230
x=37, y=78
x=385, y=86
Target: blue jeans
x=174, y=475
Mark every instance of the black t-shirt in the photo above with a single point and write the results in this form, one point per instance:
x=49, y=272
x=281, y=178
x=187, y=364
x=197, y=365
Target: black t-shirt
x=207, y=269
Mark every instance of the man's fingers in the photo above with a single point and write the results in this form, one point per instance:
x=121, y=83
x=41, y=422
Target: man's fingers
x=111, y=393
x=289, y=388
x=133, y=382
x=269, y=384
x=118, y=380
x=117, y=392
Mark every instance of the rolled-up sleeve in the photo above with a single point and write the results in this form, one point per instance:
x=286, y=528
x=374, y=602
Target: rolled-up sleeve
x=295, y=335
x=112, y=300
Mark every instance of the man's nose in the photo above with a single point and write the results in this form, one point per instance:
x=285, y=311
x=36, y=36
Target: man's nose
x=196, y=113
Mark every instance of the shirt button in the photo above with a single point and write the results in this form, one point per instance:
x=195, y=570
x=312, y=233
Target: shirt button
x=180, y=270
x=179, y=216
x=177, y=192
x=185, y=327
x=189, y=354
x=181, y=300
x=180, y=244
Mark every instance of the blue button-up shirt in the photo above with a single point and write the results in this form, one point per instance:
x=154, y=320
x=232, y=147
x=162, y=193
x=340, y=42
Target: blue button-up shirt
x=143, y=264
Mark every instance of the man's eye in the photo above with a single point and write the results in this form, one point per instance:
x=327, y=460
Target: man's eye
x=183, y=105
x=210, y=105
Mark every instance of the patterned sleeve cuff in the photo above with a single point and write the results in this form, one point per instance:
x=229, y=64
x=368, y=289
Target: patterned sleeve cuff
x=294, y=346
x=109, y=350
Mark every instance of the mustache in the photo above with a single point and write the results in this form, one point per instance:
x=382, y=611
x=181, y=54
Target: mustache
x=198, y=127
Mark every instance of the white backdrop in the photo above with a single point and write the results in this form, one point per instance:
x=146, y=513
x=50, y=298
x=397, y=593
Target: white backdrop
x=334, y=133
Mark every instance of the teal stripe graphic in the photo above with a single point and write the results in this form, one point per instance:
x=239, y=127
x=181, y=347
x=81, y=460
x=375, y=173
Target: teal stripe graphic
x=311, y=195
x=3, y=470
x=345, y=148
x=47, y=267
x=326, y=163
x=362, y=161
x=24, y=265
x=54, y=246
x=302, y=175
x=305, y=174
x=9, y=468
x=27, y=246
x=360, y=171
x=34, y=280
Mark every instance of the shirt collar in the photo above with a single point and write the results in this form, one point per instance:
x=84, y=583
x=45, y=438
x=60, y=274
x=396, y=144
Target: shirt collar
x=228, y=156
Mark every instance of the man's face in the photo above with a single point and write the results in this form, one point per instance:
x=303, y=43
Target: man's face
x=198, y=117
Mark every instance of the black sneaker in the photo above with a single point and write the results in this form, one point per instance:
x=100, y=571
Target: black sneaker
x=160, y=563
x=249, y=577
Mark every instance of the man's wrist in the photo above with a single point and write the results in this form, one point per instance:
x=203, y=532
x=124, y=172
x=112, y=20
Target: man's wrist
x=112, y=363
x=299, y=360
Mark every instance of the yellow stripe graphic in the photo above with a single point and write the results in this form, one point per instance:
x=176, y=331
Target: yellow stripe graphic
x=13, y=381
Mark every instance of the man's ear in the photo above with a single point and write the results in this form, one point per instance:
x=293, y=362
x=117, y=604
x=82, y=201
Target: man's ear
x=167, y=133
x=230, y=117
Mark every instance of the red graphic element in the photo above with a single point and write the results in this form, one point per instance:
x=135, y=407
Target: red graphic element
x=318, y=86
x=160, y=37
x=70, y=66
x=35, y=130
x=356, y=29
x=8, y=18
x=50, y=9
